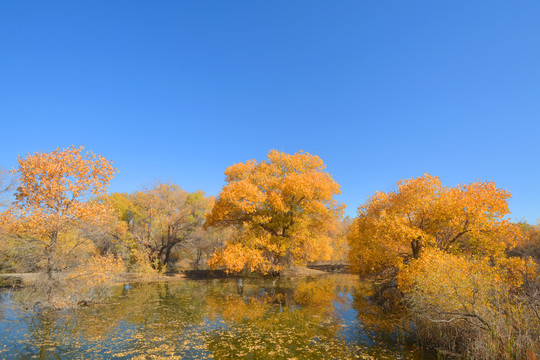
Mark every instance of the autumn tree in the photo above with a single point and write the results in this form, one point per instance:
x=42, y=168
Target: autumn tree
x=283, y=209
x=340, y=245
x=395, y=227
x=446, y=248
x=529, y=246
x=161, y=218
x=52, y=203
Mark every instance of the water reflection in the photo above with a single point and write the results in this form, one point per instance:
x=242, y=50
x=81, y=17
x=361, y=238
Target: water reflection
x=323, y=318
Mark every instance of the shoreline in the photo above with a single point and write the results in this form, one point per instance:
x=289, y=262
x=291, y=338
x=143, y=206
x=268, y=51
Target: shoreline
x=15, y=280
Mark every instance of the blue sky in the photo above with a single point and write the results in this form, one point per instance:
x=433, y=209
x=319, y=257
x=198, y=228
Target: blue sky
x=179, y=90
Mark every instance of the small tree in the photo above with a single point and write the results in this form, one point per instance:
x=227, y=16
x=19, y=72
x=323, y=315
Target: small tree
x=51, y=203
x=160, y=219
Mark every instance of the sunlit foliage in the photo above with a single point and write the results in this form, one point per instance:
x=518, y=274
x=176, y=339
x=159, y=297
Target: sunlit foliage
x=158, y=219
x=395, y=227
x=284, y=209
x=339, y=243
x=53, y=206
x=51, y=200
x=448, y=249
x=529, y=246
x=471, y=306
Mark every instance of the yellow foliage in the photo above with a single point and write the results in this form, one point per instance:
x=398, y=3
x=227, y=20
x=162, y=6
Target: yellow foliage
x=238, y=257
x=454, y=283
x=51, y=203
x=396, y=226
x=53, y=191
x=157, y=220
x=448, y=247
x=96, y=271
x=283, y=208
x=473, y=303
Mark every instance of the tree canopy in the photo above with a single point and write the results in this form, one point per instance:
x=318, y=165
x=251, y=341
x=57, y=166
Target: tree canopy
x=52, y=202
x=283, y=208
x=395, y=227
x=160, y=218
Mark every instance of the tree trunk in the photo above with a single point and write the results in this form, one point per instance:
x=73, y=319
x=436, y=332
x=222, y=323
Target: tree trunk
x=50, y=255
x=197, y=262
x=168, y=250
x=416, y=246
x=167, y=255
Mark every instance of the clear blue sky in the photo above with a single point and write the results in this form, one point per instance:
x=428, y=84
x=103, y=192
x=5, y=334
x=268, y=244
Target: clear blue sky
x=179, y=90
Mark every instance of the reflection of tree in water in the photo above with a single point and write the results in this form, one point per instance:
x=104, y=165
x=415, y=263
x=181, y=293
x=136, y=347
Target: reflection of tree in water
x=270, y=319
x=288, y=319
x=379, y=326
x=46, y=330
x=134, y=321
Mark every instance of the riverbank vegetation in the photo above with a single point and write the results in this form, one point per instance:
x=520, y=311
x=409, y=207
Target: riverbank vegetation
x=449, y=259
x=445, y=255
x=62, y=225
x=47, y=223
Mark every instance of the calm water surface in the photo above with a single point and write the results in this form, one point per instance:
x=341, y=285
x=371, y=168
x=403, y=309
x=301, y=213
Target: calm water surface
x=312, y=318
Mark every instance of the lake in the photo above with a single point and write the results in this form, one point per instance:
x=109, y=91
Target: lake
x=325, y=317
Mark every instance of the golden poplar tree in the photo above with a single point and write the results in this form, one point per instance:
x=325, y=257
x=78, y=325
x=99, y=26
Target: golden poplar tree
x=51, y=202
x=395, y=227
x=283, y=210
